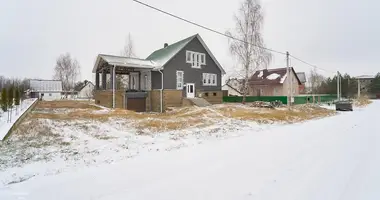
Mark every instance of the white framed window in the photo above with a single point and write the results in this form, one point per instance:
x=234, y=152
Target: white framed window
x=195, y=59
x=203, y=59
x=188, y=57
x=209, y=79
x=179, y=80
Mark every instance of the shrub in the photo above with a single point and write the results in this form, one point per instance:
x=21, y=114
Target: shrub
x=4, y=100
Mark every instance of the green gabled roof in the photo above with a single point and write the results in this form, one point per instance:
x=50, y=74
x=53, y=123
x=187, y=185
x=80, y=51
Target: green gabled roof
x=162, y=56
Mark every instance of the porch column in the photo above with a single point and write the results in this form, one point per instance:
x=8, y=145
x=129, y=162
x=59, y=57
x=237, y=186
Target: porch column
x=104, y=79
x=96, y=81
x=111, y=77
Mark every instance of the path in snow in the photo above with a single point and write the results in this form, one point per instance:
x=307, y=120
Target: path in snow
x=333, y=158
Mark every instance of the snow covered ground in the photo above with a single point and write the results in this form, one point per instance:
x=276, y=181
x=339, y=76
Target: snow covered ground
x=13, y=115
x=331, y=158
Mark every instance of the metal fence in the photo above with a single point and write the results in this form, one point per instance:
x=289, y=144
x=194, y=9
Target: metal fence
x=320, y=98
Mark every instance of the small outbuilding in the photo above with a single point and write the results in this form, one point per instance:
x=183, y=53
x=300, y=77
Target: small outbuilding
x=45, y=89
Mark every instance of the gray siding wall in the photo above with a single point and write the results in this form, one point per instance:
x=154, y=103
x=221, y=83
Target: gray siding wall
x=191, y=75
x=156, y=80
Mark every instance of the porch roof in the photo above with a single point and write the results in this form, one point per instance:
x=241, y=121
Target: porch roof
x=124, y=62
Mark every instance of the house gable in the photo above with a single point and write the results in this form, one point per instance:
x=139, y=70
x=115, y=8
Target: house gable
x=271, y=77
x=191, y=74
x=163, y=56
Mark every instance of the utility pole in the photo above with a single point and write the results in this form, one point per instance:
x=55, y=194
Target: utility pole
x=288, y=77
x=337, y=86
x=359, y=88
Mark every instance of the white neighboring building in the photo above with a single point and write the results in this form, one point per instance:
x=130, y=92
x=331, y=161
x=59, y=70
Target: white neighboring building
x=46, y=89
x=86, y=92
x=233, y=86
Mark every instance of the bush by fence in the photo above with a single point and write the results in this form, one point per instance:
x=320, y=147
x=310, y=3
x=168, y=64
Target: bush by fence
x=297, y=99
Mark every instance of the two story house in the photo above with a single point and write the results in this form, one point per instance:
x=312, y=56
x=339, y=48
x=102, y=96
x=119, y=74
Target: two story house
x=274, y=82
x=183, y=70
x=302, y=78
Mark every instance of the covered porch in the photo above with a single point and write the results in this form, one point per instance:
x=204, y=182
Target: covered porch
x=122, y=82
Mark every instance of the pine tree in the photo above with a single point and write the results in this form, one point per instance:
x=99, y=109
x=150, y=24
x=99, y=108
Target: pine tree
x=10, y=96
x=4, y=100
x=374, y=87
x=17, y=96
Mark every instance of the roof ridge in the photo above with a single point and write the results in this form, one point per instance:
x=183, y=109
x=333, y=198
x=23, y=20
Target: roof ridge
x=164, y=55
x=121, y=56
x=177, y=42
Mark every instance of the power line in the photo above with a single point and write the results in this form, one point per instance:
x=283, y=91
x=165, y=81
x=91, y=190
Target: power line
x=310, y=64
x=204, y=27
x=225, y=35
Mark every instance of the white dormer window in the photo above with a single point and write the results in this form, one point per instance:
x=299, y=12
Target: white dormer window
x=195, y=59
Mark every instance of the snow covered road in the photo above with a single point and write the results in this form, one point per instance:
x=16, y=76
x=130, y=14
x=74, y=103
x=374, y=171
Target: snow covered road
x=329, y=159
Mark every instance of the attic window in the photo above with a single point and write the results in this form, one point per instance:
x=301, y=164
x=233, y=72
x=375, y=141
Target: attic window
x=195, y=59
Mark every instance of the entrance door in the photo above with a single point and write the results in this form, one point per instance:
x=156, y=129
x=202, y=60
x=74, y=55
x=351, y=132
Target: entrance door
x=190, y=90
x=134, y=81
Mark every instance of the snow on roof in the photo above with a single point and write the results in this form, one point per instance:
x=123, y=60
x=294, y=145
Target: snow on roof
x=365, y=77
x=260, y=75
x=273, y=76
x=126, y=61
x=155, y=60
x=122, y=61
x=46, y=85
x=283, y=78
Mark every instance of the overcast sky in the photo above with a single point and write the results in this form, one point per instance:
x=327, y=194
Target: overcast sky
x=332, y=34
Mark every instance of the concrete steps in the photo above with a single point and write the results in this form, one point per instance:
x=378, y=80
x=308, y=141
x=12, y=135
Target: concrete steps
x=200, y=102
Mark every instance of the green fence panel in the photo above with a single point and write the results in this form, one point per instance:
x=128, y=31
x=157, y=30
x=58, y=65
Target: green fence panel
x=232, y=99
x=297, y=99
x=300, y=99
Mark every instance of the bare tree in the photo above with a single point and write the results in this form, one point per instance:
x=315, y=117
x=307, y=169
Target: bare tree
x=315, y=81
x=90, y=94
x=248, y=48
x=128, y=51
x=67, y=70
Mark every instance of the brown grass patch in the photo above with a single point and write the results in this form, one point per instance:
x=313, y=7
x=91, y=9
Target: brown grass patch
x=181, y=118
x=165, y=125
x=66, y=104
x=268, y=115
x=362, y=101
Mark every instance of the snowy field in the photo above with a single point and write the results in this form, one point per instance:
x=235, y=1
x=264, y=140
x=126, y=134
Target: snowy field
x=230, y=159
x=7, y=119
x=66, y=135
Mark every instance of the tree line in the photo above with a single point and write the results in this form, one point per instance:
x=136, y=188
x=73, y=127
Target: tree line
x=10, y=96
x=349, y=85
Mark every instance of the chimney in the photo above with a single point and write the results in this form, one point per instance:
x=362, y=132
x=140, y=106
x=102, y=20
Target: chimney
x=265, y=73
x=166, y=45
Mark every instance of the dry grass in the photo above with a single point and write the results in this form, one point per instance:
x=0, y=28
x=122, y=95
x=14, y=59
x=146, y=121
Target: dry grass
x=165, y=125
x=298, y=113
x=179, y=118
x=362, y=101
x=66, y=104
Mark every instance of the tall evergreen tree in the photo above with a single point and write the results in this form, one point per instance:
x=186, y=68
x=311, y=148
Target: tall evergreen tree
x=17, y=96
x=10, y=96
x=374, y=87
x=4, y=100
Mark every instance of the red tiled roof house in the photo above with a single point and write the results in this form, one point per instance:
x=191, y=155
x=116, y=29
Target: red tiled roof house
x=273, y=82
